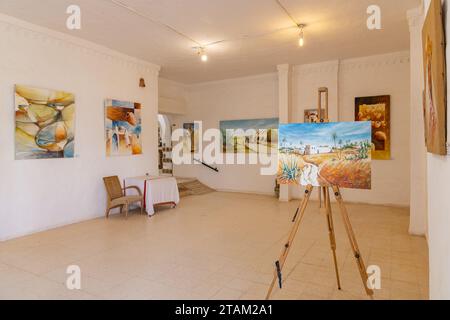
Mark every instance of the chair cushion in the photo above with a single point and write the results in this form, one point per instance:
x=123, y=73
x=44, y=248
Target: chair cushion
x=127, y=199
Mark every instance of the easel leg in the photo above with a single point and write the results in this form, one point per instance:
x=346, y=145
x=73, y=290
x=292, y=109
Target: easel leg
x=280, y=263
x=331, y=232
x=353, y=242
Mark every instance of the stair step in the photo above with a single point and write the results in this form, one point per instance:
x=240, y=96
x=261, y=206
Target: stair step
x=189, y=187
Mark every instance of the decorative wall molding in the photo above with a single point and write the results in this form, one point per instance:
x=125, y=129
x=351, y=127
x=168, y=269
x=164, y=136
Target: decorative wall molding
x=172, y=105
x=321, y=67
x=415, y=17
x=169, y=82
x=283, y=68
x=375, y=61
x=30, y=32
x=270, y=76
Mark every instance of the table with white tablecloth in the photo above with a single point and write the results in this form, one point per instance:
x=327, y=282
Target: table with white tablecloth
x=156, y=190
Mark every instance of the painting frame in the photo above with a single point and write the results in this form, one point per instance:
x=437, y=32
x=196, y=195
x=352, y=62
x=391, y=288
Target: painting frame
x=377, y=110
x=312, y=115
x=45, y=121
x=191, y=133
x=266, y=136
x=123, y=128
x=326, y=154
x=435, y=80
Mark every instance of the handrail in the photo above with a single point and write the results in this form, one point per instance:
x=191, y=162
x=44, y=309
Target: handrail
x=207, y=165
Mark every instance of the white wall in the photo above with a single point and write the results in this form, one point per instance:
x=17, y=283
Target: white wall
x=245, y=98
x=40, y=194
x=372, y=76
x=172, y=97
x=418, y=191
x=439, y=210
x=307, y=79
x=257, y=97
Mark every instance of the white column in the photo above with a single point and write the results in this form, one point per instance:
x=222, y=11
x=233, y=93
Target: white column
x=284, y=107
x=418, y=175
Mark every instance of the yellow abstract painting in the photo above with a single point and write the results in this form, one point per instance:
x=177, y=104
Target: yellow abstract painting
x=45, y=123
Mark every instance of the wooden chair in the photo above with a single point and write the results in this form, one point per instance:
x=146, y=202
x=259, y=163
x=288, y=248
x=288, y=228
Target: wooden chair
x=117, y=196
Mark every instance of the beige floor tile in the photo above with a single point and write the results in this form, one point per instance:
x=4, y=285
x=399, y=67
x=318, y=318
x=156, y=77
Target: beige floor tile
x=227, y=294
x=405, y=291
x=11, y=277
x=204, y=251
x=240, y=284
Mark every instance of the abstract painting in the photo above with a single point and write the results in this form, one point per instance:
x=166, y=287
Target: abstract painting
x=45, y=123
x=434, y=95
x=250, y=136
x=192, y=135
x=312, y=115
x=377, y=111
x=123, y=127
x=326, y=154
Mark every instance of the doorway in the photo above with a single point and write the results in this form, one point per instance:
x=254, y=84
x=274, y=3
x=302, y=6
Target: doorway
x=165, y=163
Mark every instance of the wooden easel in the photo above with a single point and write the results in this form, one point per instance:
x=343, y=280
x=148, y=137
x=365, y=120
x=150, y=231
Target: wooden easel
x=299, y=215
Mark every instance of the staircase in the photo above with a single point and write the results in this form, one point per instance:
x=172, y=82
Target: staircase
x=192, y=187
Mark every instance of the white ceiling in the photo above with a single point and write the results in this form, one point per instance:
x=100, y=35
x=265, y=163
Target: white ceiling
x=336, y=30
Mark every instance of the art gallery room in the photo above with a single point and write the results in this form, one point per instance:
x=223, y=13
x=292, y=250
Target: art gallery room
x=253, y=150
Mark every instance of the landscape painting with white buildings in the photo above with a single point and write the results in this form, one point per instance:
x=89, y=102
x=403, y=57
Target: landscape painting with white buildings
x=325, y=154
x=250, y=136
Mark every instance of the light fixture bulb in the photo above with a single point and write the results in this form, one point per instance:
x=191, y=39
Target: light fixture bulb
x=301, y=40
x=202, y=54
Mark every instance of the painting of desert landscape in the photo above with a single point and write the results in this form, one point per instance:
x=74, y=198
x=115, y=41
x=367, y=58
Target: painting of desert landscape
x=123, y=127
x=45, y=123
x=326, y=154
x=377, y=111
x=250, y=136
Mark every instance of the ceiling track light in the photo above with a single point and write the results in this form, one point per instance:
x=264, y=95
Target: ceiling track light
x=301, y=40
x=201, y=51
x=201, y=48
x=301, y=26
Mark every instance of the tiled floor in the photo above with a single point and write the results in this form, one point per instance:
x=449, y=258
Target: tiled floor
x=217, y=246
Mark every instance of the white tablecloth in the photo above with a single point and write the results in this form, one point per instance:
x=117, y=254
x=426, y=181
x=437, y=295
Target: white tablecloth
x=157, y=190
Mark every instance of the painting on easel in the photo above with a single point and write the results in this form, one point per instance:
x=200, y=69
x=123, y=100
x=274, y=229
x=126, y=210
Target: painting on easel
x=377, y=111
x=434, y=95
x=312, y=115
x=326, y=154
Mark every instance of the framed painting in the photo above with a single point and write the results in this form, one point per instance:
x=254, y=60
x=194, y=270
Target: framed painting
x=377, y=110
x=45, y=123
x=123, y=126
x=326, y=154
x=250, y=136
x=435, y=80
x=312, y=115
x=192, y=136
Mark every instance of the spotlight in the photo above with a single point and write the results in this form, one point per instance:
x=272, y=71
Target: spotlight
x=301, y=40
x=202, y=54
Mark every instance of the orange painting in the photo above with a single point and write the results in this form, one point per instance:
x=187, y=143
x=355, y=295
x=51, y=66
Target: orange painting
x=325, y=154
x=435, y=95
x=123, y=127
x=377, y=111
